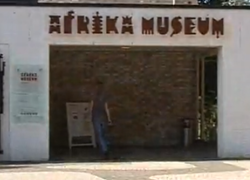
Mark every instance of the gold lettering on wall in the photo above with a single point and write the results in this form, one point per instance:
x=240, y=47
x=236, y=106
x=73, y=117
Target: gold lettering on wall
x=55, y=24
x=218, y=27
x=111, y=25
x=162, y=25
x=127, y=25
x=203, y=25
x=68, y=22
x=176, y=26
x=97, y=24
x=189, y=25
x=72, y=23
x=82, y=24
x=147, y=26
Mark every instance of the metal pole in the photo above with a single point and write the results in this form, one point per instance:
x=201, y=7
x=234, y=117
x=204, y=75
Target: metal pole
x=202, y=97
x=197, y=124
x=2, y=68
x=186, y=137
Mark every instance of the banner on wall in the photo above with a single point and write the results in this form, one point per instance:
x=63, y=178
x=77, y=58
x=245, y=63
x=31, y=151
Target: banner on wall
x=28, y=94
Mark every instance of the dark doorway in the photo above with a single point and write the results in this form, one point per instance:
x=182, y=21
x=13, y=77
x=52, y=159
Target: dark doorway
x=207, y=97
x=152, y=88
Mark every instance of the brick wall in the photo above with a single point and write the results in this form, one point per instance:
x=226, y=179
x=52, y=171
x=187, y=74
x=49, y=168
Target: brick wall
x=150, y=92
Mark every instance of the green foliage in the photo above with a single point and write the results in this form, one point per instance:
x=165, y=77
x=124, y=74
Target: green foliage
x=235, y=3
x=210, y=117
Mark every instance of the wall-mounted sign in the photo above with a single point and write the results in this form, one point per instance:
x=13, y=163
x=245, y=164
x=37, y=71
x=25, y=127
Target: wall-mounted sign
x=28, y=77
x=99, y=24
x=28, y=94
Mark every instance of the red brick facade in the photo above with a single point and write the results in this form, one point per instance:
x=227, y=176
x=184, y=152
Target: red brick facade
x=150, y=91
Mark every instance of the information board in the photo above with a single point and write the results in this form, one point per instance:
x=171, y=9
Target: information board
x=80, y=126
x=28, y=94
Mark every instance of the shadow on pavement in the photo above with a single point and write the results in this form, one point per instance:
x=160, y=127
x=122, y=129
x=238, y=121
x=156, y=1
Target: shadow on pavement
x=4, y=166
x=138, y=154
x=196, y=153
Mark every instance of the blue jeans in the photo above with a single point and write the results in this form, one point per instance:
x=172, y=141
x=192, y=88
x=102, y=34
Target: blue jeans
x=101, y=134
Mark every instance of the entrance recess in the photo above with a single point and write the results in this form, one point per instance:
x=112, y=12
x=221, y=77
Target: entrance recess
x=151, y=90
x=207, y=98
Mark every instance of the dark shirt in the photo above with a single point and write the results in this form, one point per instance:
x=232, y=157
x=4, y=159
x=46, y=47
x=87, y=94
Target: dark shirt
x=98, y=111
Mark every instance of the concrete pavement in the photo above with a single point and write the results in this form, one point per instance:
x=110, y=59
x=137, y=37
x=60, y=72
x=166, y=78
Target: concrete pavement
x=205, y=170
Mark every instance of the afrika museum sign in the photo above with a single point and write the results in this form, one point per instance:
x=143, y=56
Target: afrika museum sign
x=165, y=26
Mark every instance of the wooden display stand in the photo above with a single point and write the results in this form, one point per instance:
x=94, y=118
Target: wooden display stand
x=80, y=126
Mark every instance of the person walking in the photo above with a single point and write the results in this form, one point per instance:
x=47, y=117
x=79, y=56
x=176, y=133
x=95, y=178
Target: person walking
x=101, y=118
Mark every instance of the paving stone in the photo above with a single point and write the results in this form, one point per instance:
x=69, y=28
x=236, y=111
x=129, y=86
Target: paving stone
x=48, y=176
x=152, y=166
x=245, y=175
x=205, y=170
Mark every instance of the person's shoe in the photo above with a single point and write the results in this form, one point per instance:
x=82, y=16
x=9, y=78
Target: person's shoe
x=106, y=155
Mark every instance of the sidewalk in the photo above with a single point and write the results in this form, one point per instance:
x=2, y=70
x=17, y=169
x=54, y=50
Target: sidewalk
x=205, y=170
x=133, y=164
